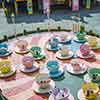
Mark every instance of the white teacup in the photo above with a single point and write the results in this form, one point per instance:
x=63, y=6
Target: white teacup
x=64, y=51
x=76, y=66
x=43, y=80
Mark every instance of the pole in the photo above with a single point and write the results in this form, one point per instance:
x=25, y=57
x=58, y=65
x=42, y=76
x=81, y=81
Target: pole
x=48, y=16
x=13, y=21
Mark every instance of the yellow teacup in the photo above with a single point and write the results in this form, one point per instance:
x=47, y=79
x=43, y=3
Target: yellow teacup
x=90, y=90
x=91, y=86
x=92, y=41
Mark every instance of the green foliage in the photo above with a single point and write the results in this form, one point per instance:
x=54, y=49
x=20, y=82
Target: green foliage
x=82, y=28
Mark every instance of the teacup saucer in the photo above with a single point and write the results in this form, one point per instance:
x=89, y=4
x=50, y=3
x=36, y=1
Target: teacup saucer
x=21, y=52
x=29, y=70
x=91, y=55
x=41, y=56
x=79, y=41
x=12, y=72
x=6, y=55
x=65, y=41
x=70, y=55
x=57, y=75
x=39, y=90
x=70, y=97
x=95, y=48
x=53, y=49
x=70, y=69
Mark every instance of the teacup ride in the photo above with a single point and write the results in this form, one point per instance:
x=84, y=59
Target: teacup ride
x=53, y=44
x=76, y=67
x=85, y=52
x=64, y=53
x=93, y=43
x=21, y=47
x=89, y=91
x=4, y=51
x=64, y=38
x=43, y=84
x=54, y=70
x=6, y=69
x=93, y=75
x=37, y=53
x=29, y=65
x=60, y=94
x=80, y=37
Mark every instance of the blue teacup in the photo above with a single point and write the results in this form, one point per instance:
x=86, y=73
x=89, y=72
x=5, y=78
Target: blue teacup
x=3, y=51
x=3, y=45
x=53, y=65
x=3, y=48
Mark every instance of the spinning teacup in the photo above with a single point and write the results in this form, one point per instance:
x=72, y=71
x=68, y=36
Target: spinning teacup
x=3, y=49
x=35, y=51
x=27, y=61
x=81, y=36
x=53, y=42
x=43, y=80
x=76, y=66
x=92, y=41
x=85, y=49
x=64, y=51
x=22, y=45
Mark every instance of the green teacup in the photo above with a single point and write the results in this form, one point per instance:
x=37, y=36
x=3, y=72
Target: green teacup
x=35, y=51
x=81, y=36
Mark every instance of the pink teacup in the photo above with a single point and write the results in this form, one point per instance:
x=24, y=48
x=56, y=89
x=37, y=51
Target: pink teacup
x=27, y=61
x=76, y=66
x=22, y=45
x=85, y=49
